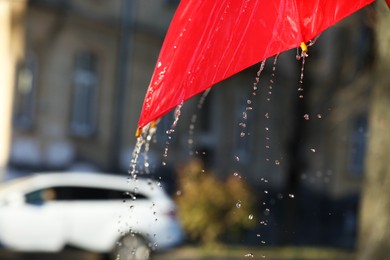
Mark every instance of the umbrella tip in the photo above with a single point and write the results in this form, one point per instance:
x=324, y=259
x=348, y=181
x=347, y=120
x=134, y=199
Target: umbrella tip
x=152, y=125
x=138, y=132
x=303, y=47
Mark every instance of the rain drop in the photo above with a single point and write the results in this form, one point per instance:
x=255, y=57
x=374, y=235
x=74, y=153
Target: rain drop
x=250, y=216
x=291, y=195
x=244, y=115
x=306, y=117
x=238, y=204
x=313, y=150
x=319, y=116
x=249, y=255
x=277, y=162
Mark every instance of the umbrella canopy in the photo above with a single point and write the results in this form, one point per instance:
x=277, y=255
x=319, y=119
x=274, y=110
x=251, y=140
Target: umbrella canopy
x=210, y=40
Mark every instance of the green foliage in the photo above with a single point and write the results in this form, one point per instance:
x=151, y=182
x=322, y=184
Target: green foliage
x=210, y=208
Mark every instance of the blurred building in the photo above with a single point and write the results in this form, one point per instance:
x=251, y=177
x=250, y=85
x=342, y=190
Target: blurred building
x=81, y=69
x=81, y=82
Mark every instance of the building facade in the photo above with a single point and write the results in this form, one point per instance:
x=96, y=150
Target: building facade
x=86, y=64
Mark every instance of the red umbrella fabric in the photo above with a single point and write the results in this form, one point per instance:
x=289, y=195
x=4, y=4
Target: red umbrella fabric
x=210, y=40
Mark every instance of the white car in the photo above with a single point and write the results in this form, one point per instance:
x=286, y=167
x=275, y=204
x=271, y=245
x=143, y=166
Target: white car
x=97, y=212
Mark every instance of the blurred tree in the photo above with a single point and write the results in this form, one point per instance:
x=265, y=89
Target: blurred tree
x=210, y=208
x=374, y=237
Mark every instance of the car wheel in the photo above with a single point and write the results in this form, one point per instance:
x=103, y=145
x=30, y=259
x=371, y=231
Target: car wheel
x=131, y=247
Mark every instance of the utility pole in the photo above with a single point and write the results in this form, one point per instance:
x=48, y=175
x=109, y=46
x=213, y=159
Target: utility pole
x=122, y=80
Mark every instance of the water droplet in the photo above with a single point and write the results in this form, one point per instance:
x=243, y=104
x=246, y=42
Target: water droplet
x=313, y=150
x=291, y=195
x=306, y=117
x=277, y=162
x=266, y=115
x=242, y=134
x=235, y=174
x=237, y=158
x=244, y=115
x=238, y=204
x=249, y=255
x=250, y=216
x=319, y=116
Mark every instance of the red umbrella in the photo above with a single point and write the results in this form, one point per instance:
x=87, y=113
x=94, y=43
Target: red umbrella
x=210, y=40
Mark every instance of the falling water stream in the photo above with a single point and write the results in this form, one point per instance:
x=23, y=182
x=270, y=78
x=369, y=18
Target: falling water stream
x=193, y=121
x=171, y=131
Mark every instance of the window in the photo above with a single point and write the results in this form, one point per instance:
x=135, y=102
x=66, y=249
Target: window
x=84, y=116
x=65, y=193
x=25, y=94
x=358, y=145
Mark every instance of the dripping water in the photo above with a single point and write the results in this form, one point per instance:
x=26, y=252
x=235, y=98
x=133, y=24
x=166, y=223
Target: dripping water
x=193, y=121
x=249, y=102
x=171, y=131
x=272, y=79
x=137, y=150
x=267, y=115
x=148, y=139
x=300, y=88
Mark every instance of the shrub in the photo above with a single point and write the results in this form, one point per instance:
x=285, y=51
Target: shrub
x=209, y=208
